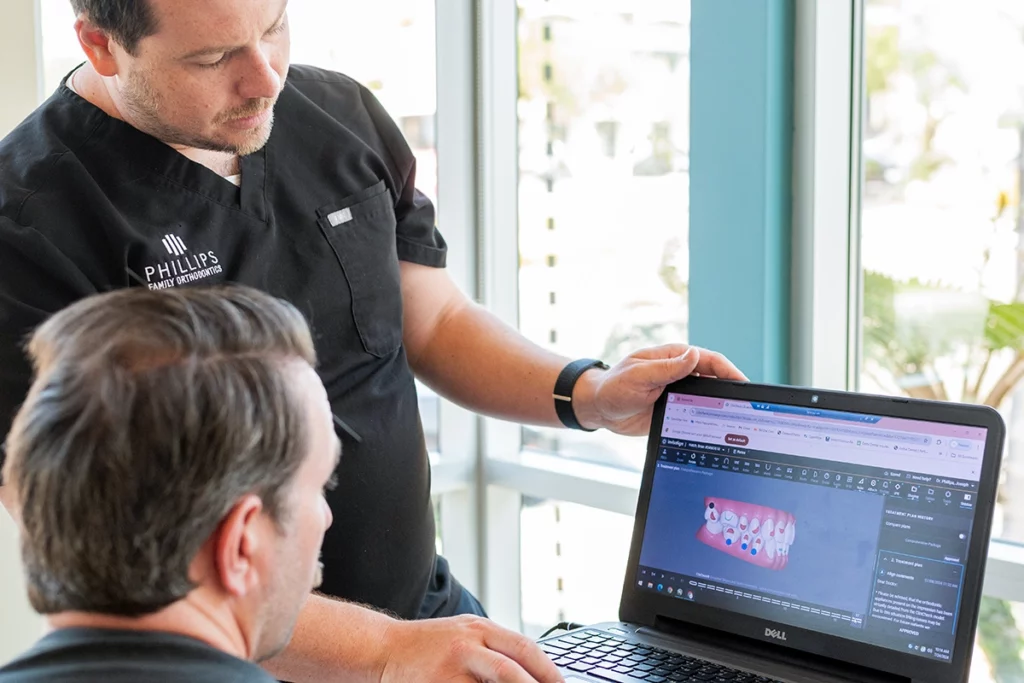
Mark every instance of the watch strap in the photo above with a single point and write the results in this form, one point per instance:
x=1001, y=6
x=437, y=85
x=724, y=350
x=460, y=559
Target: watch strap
x=564, y=386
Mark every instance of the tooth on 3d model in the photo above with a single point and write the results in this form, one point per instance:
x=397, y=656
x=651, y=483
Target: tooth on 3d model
x=714, y=523
x=743, y=523
x=755, y=526
x=730, y=518
x=711, y=513
x=757, y=546
x=730, y=535
x=745, y=541
x=768, y=530
x=791, y=533
x=769, y=548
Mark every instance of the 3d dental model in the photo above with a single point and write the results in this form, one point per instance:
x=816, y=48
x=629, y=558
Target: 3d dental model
x=751, y=533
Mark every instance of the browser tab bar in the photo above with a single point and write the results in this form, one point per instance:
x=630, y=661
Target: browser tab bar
x=735, y=428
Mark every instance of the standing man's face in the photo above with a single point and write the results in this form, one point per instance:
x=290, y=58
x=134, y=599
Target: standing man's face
x=209, y=77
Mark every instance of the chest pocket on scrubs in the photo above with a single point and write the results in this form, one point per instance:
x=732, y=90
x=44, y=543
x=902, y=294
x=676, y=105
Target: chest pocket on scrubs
x=361, y=231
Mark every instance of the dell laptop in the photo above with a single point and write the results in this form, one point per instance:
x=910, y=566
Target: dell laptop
x=797, y=535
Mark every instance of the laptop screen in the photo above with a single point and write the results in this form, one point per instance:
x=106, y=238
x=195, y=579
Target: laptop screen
x=848, y=524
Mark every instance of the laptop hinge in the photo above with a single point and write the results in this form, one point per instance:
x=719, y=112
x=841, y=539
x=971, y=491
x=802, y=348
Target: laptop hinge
x=714, y=638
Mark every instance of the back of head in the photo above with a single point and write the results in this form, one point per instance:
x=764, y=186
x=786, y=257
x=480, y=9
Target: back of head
x=151, y=414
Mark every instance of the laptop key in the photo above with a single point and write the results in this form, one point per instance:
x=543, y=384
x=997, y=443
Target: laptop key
x=580, y=667
x=614, y=676
x=553, y=650
x=570, y=641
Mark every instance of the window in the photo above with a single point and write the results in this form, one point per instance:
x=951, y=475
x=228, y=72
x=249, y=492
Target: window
x=997, y=651
x=942, y=235
x=573, y=563
x=942, y=225
x=603, y=188
x=61, y=51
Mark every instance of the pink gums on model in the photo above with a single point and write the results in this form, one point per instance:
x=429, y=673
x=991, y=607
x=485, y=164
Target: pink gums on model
x=754, y=534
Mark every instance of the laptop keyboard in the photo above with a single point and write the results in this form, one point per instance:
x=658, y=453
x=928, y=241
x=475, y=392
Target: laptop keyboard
x=615, y=659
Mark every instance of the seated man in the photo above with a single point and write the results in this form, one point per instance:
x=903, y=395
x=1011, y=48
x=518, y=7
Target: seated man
x=167, y=471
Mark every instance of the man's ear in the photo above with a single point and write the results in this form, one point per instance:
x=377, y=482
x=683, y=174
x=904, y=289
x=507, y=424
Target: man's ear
x=97, y=45
x=238, y=541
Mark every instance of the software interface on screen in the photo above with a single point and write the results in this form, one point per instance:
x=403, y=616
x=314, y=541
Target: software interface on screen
x=848, y=524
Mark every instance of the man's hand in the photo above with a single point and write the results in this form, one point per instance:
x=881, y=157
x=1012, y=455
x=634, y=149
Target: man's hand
x=622, y=399
x=463, y=649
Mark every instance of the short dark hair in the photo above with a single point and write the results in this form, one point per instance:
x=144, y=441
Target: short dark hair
x=127, y=21
x=151, y=415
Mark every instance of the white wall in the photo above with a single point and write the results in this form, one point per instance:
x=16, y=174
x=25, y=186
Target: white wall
x=19, y=625
x=20, y=54
x=20, y=75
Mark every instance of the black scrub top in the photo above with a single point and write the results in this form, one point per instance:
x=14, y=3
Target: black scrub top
x=324, y=213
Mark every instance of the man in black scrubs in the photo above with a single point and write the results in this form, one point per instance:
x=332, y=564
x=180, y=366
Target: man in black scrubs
x=168, y=470
x=186, y=151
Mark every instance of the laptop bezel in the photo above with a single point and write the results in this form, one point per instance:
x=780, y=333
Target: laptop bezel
x=646, y=608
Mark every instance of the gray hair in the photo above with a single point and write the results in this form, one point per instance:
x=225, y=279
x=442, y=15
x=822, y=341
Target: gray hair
x=151, y=415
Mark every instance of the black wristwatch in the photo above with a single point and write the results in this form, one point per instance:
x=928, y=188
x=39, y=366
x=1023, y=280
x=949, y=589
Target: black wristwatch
x=563, y=390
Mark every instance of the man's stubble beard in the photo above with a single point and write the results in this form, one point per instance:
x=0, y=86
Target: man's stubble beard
x=143, y=104
x=280, y=614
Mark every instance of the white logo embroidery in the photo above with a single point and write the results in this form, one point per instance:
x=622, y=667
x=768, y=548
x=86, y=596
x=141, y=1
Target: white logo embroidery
x=174, y=245
x=184, y=268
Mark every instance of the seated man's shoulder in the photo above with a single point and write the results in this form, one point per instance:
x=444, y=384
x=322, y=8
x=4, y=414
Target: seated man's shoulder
x=116, y=657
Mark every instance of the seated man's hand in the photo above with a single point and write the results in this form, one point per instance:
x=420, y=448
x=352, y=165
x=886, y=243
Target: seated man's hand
x=461, y=649
x=622, y=399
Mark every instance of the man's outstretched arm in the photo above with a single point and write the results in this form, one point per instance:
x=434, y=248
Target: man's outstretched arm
x=472, y=358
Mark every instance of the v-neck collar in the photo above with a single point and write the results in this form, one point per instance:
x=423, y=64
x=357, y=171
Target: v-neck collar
x=146, y=152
